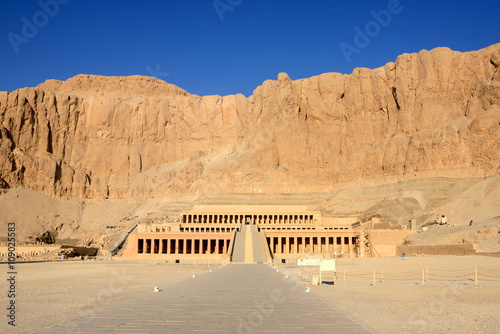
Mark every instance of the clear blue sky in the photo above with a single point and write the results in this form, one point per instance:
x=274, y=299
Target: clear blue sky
x=228, y=50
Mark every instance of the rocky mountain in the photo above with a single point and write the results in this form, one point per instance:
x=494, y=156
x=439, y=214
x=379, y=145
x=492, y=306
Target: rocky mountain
x=431, y=114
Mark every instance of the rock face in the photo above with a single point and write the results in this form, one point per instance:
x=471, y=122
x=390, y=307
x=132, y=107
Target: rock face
x=435, y=113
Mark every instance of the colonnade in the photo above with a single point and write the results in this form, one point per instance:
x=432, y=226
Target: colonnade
x=183, y=246
x=207, y=229
x=253, y=218
x=304, y=244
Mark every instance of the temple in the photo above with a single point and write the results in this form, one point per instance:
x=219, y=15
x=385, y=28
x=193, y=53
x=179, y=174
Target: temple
x=246, y=233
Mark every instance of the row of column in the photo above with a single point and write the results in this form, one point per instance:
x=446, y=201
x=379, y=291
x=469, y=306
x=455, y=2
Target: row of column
x=208, y=229
x=213, y=219
x=298, y=245
x=253, y=219
x=182, y=246
x=284, y=219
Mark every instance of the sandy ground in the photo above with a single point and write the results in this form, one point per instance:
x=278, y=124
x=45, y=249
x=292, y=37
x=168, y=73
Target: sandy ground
x=52, y=292
x=449, y=302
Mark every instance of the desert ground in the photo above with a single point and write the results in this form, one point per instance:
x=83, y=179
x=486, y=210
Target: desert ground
x=52, y=292
x=448, y=302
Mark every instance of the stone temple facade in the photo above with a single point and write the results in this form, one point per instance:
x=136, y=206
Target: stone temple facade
x=258, y=233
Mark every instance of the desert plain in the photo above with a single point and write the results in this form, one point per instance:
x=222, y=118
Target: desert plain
x=53, y=292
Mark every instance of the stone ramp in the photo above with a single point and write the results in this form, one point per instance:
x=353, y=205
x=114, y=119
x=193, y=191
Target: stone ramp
x=238, y=254
x=259, y=254
x=246, y=298
x=248, y=246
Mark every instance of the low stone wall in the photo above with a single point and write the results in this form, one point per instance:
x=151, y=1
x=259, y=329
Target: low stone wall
x=385, y=242
x=459, y=249
x=82, y=251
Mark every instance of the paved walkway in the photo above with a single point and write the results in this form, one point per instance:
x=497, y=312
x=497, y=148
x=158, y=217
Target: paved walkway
x=245, y=298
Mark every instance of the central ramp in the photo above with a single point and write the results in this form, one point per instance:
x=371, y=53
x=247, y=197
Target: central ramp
x=248, y=246
x=250, y=298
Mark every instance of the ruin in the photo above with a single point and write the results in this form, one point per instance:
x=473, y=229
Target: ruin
x=211, y=232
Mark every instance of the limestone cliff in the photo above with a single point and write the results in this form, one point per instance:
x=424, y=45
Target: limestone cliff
x=435, y=113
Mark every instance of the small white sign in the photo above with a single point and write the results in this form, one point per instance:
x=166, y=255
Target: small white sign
x=327, y=265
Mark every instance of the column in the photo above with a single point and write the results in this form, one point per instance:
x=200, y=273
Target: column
x=335, y=243
x=327, y=243
x=184, y=246
x=224, y=245
x=295, y=246
x=342, y=244
x=280, y=244
x=350, y=247
x=271, y=245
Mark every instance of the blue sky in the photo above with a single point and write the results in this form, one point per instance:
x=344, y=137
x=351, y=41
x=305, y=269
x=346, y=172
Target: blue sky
x=227, y=46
